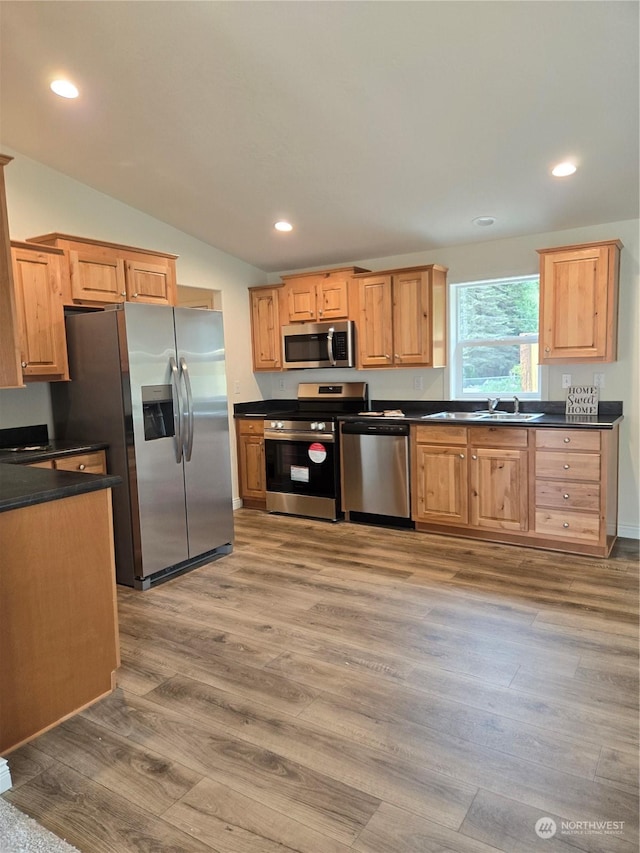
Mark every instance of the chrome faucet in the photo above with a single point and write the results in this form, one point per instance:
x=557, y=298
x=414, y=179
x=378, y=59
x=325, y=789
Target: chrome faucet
x=516, y=405
x=493, y=403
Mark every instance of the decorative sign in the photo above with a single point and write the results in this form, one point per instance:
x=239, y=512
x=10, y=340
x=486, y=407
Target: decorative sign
x=317, y=452
x=582, y=400
x=299, y=474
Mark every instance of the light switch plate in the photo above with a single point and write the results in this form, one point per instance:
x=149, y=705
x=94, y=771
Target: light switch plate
x=566, y=380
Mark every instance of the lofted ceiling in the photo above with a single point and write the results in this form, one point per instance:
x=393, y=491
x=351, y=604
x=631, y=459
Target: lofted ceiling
x=377, y=128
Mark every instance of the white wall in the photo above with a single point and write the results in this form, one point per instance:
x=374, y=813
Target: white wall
x=40, y=200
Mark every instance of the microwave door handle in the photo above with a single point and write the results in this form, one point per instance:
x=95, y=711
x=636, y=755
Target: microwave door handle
x=330, y=352
x=177, y=408
x=188, y=440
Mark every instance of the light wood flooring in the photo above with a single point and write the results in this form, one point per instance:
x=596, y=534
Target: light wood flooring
x=335, y=687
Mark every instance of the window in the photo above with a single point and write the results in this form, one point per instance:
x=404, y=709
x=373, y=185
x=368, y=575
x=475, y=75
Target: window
x=494, y=338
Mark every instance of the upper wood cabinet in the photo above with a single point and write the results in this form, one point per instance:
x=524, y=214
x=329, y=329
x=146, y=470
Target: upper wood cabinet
x=401, y=317
x=316, y=296
x=579, y=302
x=102, y=273
x=265, y=327
x=10, y=370
x=38, y=275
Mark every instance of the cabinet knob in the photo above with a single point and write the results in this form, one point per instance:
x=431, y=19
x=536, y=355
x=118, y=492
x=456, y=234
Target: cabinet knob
x=566, y=467
x=396, y=356
x=565, y=497
x=387, y=356
x=81, y=466
x=547, y=349
x=123, y=293
x=566, y=524
x=462, y=456
x=23, y=364
x=474, y=457
x=134, y=295
x=566, y=440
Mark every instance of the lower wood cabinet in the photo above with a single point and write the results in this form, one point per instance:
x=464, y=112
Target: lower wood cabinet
x=90, y=463
x=550, y=488
x=251, y=463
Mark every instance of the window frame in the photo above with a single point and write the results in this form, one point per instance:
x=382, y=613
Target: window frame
x=456, y=345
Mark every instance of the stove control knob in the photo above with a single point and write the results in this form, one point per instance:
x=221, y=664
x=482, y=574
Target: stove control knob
x=321, y=426
x=279, y=425
x=314, y=425
x=273, y=424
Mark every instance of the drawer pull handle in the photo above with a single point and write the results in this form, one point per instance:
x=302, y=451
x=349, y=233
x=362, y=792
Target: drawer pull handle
x=81, y=466
x=566, y=467
x=566, y=497
x=567, y=440
x=566, y=524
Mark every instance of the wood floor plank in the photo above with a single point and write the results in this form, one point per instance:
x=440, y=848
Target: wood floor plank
x=96, y=820
x=141, y=776
x=510, y=826
x=309, y=796
x=619, y=767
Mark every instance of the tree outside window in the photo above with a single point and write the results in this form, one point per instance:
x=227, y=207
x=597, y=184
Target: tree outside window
x=495, y=338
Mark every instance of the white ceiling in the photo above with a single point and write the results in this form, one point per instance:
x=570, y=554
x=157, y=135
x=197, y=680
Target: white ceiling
x=377, y=128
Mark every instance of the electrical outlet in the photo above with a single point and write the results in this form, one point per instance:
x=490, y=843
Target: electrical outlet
x=598, y=380
x=566, y=380
x=281, y=384
x=236, y=386
x=418, y=383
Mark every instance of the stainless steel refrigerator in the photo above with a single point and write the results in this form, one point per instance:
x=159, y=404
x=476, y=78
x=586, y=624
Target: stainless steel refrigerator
x=149, y=380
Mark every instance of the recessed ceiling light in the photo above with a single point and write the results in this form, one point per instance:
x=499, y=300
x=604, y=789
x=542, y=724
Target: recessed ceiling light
x=283, y=226
x=64, y=88
x=563, y=170
x=484, y=220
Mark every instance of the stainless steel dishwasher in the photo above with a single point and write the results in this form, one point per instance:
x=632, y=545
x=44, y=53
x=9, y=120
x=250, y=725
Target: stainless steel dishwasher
x=374, y=467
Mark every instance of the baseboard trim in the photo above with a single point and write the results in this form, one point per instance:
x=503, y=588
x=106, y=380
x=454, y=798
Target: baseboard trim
x=237, y=503
x=628, y=532
x=5, y=776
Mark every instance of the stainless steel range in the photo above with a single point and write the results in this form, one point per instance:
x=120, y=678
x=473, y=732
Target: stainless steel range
x=302, y=451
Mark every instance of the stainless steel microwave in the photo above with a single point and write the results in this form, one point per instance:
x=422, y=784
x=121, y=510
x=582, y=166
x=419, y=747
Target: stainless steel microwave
x=319, y=344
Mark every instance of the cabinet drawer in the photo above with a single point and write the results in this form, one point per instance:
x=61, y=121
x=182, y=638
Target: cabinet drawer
x=567, y=466
x=568, y=495
x=90, y=463
x=489, y=436
x=568, y=439
x=251, y=426
x=569, y=525
x=48, y=463
x=441, y=434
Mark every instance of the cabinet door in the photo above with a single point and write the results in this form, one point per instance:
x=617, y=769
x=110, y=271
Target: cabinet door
x=150, y=282
x=333, y=298
x=578, y=305
x=302, y=298
x=440, y=484
x=97, y=276
x=252, y=467
x=411, y=322
x=375, y=335
x=265, y=329
x=37, y=278
x=499, y=494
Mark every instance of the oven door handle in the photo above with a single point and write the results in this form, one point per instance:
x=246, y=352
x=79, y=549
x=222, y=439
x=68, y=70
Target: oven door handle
x=328, y=437
x=330, y=353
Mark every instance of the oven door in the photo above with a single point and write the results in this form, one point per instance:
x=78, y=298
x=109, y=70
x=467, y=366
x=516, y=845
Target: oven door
x=302, y=474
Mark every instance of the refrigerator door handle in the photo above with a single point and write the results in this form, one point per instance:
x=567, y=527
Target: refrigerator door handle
x=188, y=440
x=177, y=409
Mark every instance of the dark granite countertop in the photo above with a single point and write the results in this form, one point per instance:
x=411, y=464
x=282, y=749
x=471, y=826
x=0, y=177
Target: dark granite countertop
x=22, y=486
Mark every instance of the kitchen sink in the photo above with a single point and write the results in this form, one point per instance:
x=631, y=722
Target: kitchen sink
x=483, y=416
x=512, y=416
x=456, y=416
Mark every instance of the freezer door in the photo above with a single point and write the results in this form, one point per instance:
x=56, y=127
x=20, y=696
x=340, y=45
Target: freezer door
x=156, y=469
x=207, y=463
